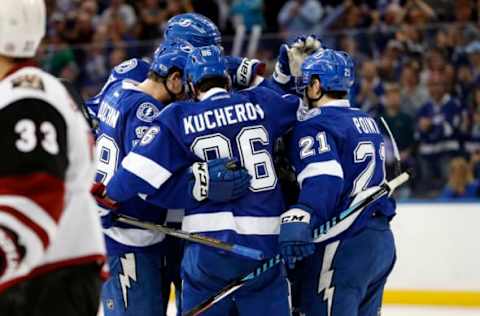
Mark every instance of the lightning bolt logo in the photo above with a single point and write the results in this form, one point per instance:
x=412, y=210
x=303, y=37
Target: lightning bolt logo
x=326, y=275
x=129, y=273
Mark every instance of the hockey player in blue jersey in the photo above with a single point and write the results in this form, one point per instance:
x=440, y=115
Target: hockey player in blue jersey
x=242, y=125
x=338, y=153
x=135, y=255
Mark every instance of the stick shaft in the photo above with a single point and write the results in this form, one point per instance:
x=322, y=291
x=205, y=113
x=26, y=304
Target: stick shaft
x=207, y=241
x=272, y=262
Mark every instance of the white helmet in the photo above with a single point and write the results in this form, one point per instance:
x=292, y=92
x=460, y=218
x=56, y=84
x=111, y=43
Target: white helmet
x=22, y=27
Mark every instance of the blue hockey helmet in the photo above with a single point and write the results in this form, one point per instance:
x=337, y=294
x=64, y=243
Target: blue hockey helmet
x=334, y=69
x=134, y=69
x=205, y=62
x=194, y=28
x=170, y=54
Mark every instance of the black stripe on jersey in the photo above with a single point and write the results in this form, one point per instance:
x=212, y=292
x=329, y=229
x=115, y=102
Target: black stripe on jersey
x=33, y=138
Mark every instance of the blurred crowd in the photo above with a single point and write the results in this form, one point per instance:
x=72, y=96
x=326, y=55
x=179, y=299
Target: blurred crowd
x=418, y=63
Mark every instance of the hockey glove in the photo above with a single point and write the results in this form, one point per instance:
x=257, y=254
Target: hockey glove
x=291, y=57
x=219, y=180
x=243, y=71
x=98, y=191
x=296, y=231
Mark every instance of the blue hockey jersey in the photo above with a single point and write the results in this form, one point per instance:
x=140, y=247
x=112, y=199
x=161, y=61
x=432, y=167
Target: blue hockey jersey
x=125, y=114
x=337, y=151
x=243, y=125
x=445, y=132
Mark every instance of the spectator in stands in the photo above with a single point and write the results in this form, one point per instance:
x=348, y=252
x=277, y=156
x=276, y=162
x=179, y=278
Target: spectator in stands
x=118, y=8
x=473, y=51
x=464, y=82
x=461, y=183
x=299, y=17
x=175, y=7
x=438, y=132
x=151, y=18
x=210, y=8
x=400, y=123
x=472, y=141
x=412, y=94
x=475, y=163
x=95, y=68
x=250, y=11
x=366, y=92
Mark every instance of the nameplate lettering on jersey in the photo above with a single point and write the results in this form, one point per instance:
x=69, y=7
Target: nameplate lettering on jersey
x=108, y=114
x=366, y=125
x=228, y=115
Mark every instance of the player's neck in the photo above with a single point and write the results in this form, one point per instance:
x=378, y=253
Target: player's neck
x=6, y=65
x=323, y=101
x=155, y=89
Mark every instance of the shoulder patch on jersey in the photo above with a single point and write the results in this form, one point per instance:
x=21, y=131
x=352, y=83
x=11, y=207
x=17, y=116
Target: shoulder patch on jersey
x=126, y=66
x=140, y=131
x=150, y=135
x=147, y=112
x=31, y=81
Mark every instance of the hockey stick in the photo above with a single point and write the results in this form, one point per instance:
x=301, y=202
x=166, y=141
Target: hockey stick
x=207, y=241
x=396, y=152
x=78, y=99
x=327, y=228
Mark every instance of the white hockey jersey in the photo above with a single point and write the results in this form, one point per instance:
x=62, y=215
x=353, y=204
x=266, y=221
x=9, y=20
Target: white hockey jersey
x=48, y=219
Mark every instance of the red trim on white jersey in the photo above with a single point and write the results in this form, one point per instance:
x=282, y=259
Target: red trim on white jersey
x=39, y=231
x=43, y=189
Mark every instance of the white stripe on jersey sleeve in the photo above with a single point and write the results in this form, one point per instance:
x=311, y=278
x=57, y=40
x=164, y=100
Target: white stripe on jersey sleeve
x=245, y=225
x=31, y=210
x=134, y=236
x=34, y=250
x=146, y=169
x=328, y=168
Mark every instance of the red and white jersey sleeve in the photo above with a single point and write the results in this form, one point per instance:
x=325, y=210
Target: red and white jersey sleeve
x=47, y=216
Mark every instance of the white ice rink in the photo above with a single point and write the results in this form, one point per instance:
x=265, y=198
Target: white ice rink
x=428, y=311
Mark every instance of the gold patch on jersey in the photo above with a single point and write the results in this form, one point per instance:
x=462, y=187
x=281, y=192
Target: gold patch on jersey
x=29, y=82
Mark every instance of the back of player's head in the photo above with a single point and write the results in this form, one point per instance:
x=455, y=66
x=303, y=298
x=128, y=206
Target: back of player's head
x=206, y=63
x=194, y=28
x=22, y=27
x=170, y=56
x=334, y=69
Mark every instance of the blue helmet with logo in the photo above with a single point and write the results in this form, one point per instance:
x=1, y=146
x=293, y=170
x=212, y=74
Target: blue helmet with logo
x=334, y=69
x=205, y=62
x=194, y=28
x=170, y=54
x=134, y=69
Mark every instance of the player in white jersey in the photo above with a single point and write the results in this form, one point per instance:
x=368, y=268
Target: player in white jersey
x=51, y=244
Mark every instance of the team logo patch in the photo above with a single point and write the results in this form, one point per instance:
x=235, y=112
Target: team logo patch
x=147, y=112
x=109, y=304
x=126, y=66
x=140, y=131
x=149, y=135
x=163, y=68
x=186, y=48
x=185, y=22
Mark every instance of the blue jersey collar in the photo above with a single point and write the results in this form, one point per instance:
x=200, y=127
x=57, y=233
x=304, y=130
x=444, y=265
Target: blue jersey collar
x=212, y=92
